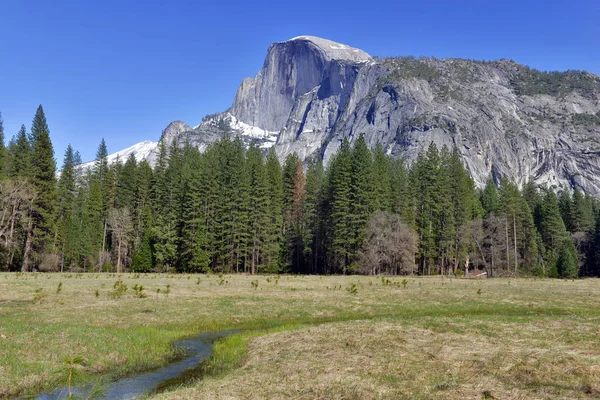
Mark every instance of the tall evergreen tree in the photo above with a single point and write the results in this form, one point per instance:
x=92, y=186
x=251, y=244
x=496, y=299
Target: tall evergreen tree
x=565, y=204
x=489, y=197
x=3, y=152
x=402, y=197
x=340, y=198
x=314, y=233
x=582, y=217
x=362, y=194
x=20, y=151
x=259, y=214
x=66, y=198
x=275, y=192
x=382, y=180
x=567, y=265
x=44, y=181
x=553, y=228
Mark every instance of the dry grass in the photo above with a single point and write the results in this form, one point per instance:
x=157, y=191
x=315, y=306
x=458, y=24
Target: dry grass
x=477, y=342
x=382, y=359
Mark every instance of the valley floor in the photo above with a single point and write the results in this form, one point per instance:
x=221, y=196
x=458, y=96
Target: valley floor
x=305, y=337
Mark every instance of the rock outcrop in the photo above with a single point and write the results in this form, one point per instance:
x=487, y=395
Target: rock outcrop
x=505, y=119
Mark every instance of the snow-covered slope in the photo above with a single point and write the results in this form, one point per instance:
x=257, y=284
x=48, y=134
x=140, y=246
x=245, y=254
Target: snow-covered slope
x=142, y=151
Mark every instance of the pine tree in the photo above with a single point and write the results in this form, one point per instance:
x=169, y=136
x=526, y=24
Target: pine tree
x=66, y=198
x=20, y=151
x=582, y=217
x=567, y=265
x=464, y=205
x=553, y=228
x=126, y=183
x=259, y=214
x=3, y=152
x=297, y=228
x=427, y=184
x=193, y=243
x=362, y=195
x=382, y=180
x=339, y=198
x=274, y=227
x=565, y=204
x=402, y=197
x=314, y=233
x=93, y=224
x=288, y=228
x=489, y=197
x=142, y=257
x=44, y=181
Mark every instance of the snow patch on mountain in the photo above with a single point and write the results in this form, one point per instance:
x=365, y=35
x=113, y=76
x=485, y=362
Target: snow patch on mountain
x=142, y=151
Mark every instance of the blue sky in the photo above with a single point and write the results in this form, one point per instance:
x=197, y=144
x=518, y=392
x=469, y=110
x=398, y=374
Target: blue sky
x=124, y=69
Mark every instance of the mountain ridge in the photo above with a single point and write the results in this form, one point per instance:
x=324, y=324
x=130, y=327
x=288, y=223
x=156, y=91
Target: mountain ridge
x=504, y=118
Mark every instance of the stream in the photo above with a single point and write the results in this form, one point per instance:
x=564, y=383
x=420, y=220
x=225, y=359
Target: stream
x=196, y=349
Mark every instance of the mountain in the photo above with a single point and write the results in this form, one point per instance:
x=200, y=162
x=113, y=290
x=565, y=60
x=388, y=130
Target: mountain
x=143, y=151
x=504, y=118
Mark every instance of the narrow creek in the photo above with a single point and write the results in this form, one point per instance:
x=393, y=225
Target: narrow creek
x=196, y=349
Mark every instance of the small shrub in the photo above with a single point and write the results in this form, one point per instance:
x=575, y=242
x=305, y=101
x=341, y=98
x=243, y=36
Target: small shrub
x=107, y=267
x=39, y=297
x=119, y=289
x=254, y=284
x=168, y=290
x=404, y=283
x=352, y=289
x=59, y=288
x=139, y=291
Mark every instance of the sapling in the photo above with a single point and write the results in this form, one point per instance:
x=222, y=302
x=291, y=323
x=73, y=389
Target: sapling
x=72, y=362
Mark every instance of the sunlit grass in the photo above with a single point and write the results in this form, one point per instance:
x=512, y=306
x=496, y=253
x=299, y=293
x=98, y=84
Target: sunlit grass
x=117, y=336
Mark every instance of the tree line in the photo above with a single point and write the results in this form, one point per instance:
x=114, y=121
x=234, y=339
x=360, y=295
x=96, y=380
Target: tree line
x=231, y=209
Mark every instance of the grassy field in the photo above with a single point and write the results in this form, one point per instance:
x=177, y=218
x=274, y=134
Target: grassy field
x=304, y=337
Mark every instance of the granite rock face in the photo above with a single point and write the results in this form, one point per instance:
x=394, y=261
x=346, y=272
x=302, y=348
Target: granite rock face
x=504, y=118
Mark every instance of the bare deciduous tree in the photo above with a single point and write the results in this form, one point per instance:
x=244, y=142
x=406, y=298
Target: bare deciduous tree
x=121, y=226
x=390, y=246
x=16, y=199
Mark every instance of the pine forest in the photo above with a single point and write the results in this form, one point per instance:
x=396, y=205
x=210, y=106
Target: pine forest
x=231, y=209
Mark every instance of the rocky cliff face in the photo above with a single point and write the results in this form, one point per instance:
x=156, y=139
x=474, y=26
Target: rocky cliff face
x=504, y=118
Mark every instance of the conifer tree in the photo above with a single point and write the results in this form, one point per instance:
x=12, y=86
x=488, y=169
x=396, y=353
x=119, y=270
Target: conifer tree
x=3, y=152
x=20, y=150
x=567, y=264
x=66, y=198
x=94, y=224
x=275, y=193
x=582, y=218
x=314, y=233
x=340, y=198
x=463, y=204
x=489, y=197
x=426, y=181
x=126, y=183
x=142, y=257
x=44, y=181
x=402, y=197
x=193, y=243
x=565, y=207
x=362, y=194
x=553, y=228
x=259, y=213
x=382, y=179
